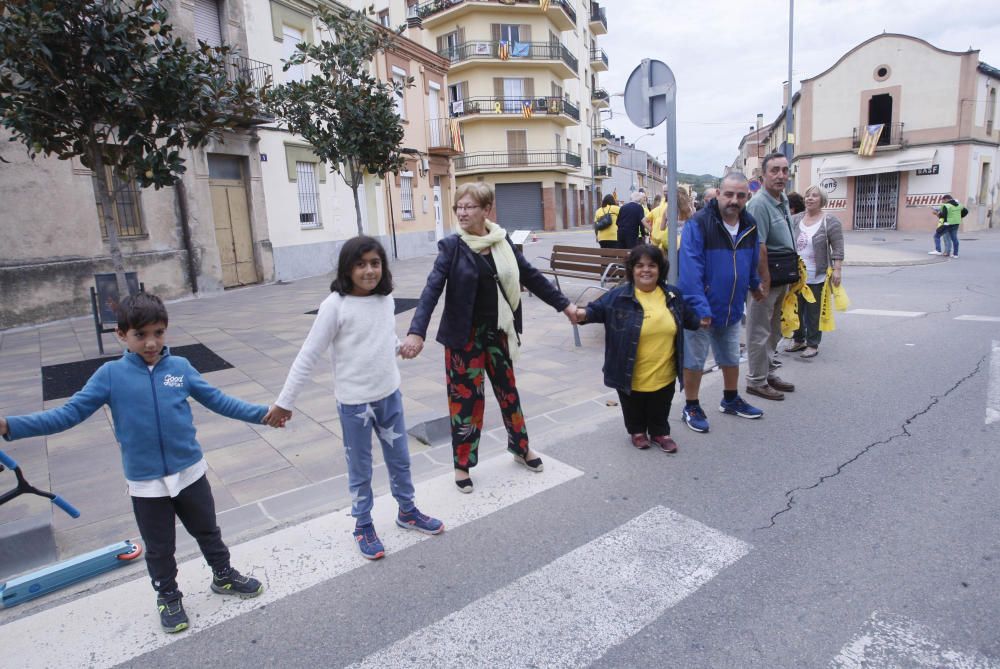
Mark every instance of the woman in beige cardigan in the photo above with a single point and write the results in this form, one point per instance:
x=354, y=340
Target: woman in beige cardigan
x=819, y=240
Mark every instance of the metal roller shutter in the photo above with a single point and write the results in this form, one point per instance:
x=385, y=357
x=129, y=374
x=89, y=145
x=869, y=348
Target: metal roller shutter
x=206, y=22
x=519, y=206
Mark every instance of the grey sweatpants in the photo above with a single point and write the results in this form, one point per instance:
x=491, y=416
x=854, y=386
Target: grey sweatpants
x=763, y=333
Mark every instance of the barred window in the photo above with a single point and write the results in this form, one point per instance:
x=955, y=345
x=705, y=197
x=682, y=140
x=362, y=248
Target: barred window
x=308, y=195
x=406, y=195
x=126, y=212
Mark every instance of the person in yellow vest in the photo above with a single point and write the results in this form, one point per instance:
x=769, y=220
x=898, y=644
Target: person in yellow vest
x=607, y=236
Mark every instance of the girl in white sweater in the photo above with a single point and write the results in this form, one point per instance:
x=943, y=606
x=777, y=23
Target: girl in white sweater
x=356, y=324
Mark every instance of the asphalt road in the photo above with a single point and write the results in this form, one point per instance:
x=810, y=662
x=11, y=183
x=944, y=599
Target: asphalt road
x=856, y=524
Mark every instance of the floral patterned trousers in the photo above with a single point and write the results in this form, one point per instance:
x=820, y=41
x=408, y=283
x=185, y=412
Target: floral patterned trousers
x=485, y=355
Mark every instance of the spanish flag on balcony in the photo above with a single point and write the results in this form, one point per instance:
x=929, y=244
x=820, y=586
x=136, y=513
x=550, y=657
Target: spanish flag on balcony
x=526, y=110
x=456, y=136
x=503, y=50
x=869, y=140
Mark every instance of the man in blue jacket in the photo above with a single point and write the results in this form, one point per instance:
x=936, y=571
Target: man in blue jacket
x=147, y=390
x=718, y=265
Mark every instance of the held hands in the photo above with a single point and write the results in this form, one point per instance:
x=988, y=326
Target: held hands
x=411, y=346
x=581, y=315
x=276, y=416
x=3, y=426
x=572, y=313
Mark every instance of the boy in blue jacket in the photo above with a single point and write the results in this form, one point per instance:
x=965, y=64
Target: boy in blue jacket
x=147, y=390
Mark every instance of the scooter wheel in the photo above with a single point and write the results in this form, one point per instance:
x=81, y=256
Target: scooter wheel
x=132, y=554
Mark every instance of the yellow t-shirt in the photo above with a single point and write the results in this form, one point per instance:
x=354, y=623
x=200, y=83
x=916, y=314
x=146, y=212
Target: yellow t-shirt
x=658, y=237
x=654, y=361
x=610, y=232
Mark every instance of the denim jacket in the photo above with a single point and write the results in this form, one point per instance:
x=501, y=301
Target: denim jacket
x=621, y=314
x=457, y=266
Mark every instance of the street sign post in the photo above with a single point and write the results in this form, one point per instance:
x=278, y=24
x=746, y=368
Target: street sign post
x=651, y=99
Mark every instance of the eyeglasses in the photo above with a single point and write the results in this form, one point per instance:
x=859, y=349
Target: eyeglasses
x=460, y=208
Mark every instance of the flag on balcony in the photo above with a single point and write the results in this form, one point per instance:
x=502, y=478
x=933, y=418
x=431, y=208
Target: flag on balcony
x=869, y=140
x=503, y=50
x=456, y=136
x=526, y=110
x=545, y=5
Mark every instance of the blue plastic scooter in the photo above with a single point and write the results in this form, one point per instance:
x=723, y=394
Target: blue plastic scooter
x=67, y=572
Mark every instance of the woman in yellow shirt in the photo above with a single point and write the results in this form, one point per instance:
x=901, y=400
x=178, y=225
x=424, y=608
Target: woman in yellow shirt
x=607, y=237
x=643, y=344
x=657, y=222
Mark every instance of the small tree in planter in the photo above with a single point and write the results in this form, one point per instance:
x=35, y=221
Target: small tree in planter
x=104, y=81
x=343, y=110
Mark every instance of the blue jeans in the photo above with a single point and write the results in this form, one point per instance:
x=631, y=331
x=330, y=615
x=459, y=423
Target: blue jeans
x=952, y=232
x=385, y=417
x=942, y=231
x=725, y=343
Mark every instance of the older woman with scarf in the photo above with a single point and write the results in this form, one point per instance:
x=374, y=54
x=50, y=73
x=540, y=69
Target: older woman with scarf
x=819, y=240
x=480, y=326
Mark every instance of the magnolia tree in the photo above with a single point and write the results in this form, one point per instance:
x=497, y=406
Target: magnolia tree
x=342, y=109
x=106, y=82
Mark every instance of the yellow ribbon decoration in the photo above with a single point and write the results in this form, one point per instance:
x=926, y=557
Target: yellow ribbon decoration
x=790, y=304
x=834, y=297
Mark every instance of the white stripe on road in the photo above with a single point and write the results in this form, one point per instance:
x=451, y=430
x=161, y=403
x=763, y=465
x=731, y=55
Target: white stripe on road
x=114, y=625
x=993, y=389
x=572, y=611
x=886, y=312
x=894, y=641
x=981, y=319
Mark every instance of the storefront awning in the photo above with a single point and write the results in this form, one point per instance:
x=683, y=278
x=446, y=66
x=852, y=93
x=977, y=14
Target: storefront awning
x=852, y=165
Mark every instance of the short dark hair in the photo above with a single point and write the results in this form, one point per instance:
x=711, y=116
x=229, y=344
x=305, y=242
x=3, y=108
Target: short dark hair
x=769, y=157
x=608, y=200
x=139, y=310
x=646, y=251
x=350, y=253
x=796, y=203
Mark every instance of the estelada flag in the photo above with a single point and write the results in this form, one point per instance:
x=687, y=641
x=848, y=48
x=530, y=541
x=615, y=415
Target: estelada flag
x=870, y=139
x=503, y=51
x=456, y=136
x=526, y=110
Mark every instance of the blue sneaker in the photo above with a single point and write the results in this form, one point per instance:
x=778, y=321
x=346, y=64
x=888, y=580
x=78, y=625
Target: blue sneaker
x=739, y=407
x=695, y=418
x=414, y=520
x=368, y=542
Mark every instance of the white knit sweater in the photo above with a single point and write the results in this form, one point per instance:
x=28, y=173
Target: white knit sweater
x=360, y=334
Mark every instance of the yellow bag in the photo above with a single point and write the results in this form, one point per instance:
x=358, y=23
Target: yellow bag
x=790, y=305
x=834, y=297
x=840, y=300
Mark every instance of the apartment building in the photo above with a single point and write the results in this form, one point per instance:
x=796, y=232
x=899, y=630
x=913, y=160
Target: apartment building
x=934, y=113
x=523, y=87
x=207, y=234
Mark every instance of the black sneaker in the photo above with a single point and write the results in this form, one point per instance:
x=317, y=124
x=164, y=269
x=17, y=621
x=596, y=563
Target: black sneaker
x=172, y=616
x=232, y=582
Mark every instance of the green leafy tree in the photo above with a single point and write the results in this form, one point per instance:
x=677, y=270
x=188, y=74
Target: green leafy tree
x=343, y=110
x=104, y=81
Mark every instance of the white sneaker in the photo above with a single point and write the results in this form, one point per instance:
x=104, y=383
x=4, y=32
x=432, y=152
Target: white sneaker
x=933, y=253
x=955, y=256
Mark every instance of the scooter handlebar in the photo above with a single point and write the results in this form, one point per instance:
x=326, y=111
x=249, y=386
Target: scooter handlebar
x=66, y=506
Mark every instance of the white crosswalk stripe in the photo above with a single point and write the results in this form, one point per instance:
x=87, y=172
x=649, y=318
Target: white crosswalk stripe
x=980, y=319
x=894, y=641
x=886, y=312
x=993, y=389
x=594, y=598
x=113, y=625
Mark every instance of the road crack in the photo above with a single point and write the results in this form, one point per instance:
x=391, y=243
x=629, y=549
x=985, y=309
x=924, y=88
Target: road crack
x=903, y=432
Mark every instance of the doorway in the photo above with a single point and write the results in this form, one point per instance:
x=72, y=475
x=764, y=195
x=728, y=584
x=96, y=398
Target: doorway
x=876, y=198
x=231, y=217
x=438, y=210
x=880, y=111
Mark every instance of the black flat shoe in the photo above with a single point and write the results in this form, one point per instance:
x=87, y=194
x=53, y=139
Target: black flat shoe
x=534, y=464
x=465, y=485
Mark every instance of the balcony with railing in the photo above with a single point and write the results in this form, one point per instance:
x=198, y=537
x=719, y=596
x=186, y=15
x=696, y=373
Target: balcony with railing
x=598, y=19
x=598, y=60
x=256, y=75
x=891, y=137
x=602, y=171
x=517, y=160
x=546, y=54
x=558, y=109
x=602, y=135
x=600, y=98
x=434, y=12
x=443, y=138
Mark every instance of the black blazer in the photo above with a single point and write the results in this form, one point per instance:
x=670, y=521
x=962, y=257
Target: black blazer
x=457, y=266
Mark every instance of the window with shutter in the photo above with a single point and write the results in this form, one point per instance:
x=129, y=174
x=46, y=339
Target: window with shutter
x=292, y=37
x=406, y=195
x=207, y=26
x=517, y=147
x=308, y=195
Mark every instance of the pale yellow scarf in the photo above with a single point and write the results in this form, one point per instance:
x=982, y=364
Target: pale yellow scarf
x=509, y=298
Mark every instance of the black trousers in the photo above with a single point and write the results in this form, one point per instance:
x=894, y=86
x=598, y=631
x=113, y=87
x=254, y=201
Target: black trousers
x=608, y=243
x=155, y=516
x=646, y=413
x=808, y=331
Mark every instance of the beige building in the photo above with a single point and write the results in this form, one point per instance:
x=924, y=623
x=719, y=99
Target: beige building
x=206, y=235
x=523, y=86
x=938, y=112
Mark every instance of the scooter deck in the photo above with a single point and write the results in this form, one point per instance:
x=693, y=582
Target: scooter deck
x=52, y=578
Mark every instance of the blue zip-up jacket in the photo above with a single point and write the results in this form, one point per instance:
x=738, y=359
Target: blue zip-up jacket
x=153, y=422
x=715, y=273
x=622, y=315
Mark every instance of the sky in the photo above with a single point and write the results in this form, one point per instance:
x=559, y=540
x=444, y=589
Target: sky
x=730, y=57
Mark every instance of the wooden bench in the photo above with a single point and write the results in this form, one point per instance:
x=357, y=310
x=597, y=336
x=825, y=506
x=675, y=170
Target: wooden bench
x=606, y=266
